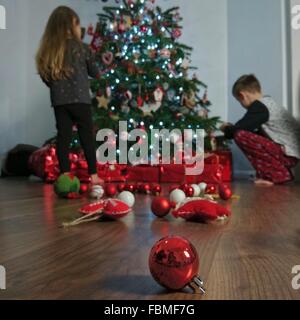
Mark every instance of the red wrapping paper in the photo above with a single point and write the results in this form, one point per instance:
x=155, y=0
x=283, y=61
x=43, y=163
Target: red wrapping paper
x=143, y=173
x=45, y=165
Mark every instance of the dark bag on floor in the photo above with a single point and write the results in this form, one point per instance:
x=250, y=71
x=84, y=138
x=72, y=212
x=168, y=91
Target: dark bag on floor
x=16, y=163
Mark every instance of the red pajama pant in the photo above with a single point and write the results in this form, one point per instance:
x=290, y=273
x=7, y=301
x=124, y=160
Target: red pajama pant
x=266, y=156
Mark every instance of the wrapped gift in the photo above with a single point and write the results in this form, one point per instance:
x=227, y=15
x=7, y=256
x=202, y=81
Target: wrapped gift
x=112, y=172
x=225, y=159
x=217, y=164
x=143, y=173
x=172, y=173
x=44, y=164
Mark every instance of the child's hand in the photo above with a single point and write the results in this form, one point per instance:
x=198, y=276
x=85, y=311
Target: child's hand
x=224, y=126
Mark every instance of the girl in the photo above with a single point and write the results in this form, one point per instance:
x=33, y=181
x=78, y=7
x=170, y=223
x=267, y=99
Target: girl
x=65, y=64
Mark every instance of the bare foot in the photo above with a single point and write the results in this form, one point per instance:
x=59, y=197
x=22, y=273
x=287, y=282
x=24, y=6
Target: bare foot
x=261, y=182
x=95, y=180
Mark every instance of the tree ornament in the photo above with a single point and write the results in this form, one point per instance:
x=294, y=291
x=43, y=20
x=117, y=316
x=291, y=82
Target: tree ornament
x=211, y=189
x=152, y=54
x=127, y=22
x=128, y=95
x=121, y=187
x=107, y=58
x=110, y=190
x=97, y=192
x=174, y=264
x=197, y=190
x=130, y=187
x=108, y=91
x=112, y=209
x=225, y=192
x=165, y=53
x=84, y=189
x=146, y=188
x=156, y=189
x=189, y=191
x=177, y=196
x=189, y=100
x=186, y=63
x=90, y=30
x=143, y=28
x=176, y=33
x=97, y=42
x=127, y=197
x=158, y=94
x=200, y=210
x=203, y=187
x=161, y=207
x=140, y=101
x=103, y=102
x=121, y=26
x=166, y=86
x=67, y=185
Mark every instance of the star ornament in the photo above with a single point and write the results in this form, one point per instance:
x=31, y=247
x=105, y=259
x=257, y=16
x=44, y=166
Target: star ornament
x=103, y=102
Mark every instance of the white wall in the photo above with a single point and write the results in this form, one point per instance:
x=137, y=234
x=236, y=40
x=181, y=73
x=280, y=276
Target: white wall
x=26, y=116
x=295, y=66
x=256, y=44
x=205, y=29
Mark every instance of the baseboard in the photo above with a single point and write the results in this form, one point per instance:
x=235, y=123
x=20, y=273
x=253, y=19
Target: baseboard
x=243, y=174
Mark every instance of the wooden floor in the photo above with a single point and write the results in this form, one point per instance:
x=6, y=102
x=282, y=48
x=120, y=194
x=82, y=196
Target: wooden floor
x=249, y=257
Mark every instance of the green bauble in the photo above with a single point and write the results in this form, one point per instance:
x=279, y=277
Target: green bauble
x=66, y=184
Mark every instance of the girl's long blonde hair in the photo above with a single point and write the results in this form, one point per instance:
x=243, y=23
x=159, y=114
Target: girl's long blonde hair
x=50, y=58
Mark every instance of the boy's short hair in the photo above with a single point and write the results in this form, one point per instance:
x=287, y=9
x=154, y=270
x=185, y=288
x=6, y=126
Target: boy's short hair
x=248, y=83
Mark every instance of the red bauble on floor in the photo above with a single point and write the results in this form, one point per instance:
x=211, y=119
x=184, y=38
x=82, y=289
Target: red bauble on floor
x=174, y=263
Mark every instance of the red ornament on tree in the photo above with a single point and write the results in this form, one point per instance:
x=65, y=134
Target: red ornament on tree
x=140, y=101
x=174, y=264
x=110, y=190
x=225, y=192
x=143, y=28
x=161, y=207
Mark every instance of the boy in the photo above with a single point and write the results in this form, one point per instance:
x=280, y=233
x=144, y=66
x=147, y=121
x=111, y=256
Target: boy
x=267, y=134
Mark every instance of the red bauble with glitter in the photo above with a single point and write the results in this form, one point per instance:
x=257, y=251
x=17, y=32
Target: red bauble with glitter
x=174, y=264
x=225, y=192
x=111, y=190
x=161, y=207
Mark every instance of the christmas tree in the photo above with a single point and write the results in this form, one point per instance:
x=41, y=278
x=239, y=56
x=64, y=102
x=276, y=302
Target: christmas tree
x=145, y=75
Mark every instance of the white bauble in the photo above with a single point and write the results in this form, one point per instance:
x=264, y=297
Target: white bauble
x=202, y=187
x=177, y=196
x=127, y=197
x=97, y=192
x=197, y=190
